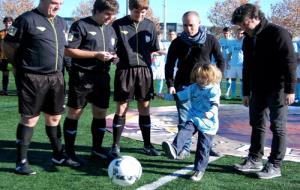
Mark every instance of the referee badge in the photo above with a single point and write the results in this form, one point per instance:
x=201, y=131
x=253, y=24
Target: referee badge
x=147, y=38
x=70, y=37
x=12, y=30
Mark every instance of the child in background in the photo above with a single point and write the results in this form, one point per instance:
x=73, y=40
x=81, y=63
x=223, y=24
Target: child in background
x=158, y=64
x=204, y=95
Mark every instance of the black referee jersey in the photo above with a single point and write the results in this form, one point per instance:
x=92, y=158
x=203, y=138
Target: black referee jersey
x=87, y=34
x=136, y=42
x=42, y=42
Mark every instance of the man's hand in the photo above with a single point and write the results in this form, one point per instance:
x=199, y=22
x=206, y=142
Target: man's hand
x=104, y=56
x=289, y=99
x=172, y=90
x=246, y=100
x=115, y=58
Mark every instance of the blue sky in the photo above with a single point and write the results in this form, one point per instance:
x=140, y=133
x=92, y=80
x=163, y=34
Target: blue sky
x=175, y=10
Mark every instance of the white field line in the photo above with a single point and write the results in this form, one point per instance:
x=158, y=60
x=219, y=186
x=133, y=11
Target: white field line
x=162, y=181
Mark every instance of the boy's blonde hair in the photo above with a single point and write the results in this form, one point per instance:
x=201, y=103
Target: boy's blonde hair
x=207, y=71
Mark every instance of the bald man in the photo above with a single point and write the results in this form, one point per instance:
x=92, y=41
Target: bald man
x=35, y=43
x=193, y=46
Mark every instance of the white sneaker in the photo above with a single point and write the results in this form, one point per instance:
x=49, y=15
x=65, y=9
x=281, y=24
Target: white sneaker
x=197, y=175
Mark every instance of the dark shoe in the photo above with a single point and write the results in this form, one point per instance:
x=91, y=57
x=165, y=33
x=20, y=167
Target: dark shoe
x=214, y=153
x=169, y=150
x=24, y=169
x=197, y=175
x=151, y=151
x=114, y=152
x=4, y=93
x=269, y=171
x=72, y=162
x=249, y=165
x=184, y=154
x=100, y=153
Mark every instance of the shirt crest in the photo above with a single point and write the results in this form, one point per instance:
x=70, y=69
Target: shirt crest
x=12, y=30
x=147, y=39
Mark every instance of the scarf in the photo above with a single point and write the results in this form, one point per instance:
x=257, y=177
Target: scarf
x=198, y=39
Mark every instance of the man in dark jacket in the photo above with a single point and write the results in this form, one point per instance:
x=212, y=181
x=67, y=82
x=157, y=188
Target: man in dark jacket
x=269, y=77
x=194, y=45
x=137, y=39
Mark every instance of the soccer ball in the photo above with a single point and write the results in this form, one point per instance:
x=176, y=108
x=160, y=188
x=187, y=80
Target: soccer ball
x=125, y=170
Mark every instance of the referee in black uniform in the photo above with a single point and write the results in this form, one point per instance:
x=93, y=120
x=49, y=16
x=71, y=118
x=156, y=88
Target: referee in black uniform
x=92, y=48
x=137, y=39
x=35, y=44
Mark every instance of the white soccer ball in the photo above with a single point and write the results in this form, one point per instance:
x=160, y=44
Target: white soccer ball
x=125, y=170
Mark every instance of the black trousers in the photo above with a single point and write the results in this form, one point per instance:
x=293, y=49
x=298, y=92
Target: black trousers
x=264, y=107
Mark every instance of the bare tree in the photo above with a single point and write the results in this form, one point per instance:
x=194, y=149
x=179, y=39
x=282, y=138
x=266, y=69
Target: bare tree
x=220, y=14
x=287, y=14
x=83, y=9
x=14, y=8
x=153, y=18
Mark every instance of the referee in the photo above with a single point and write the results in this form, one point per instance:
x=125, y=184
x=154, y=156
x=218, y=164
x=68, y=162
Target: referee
x=137, y=39
x=91, y=46
x=35, y=43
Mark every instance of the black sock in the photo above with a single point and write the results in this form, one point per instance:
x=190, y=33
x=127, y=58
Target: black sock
x=98, y=130
x=118, y=126
x=24, y=135
x=5, y=79
x=54, y=135
x=145, y=126
x=70, y=131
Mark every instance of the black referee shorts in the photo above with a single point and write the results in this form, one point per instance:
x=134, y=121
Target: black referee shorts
x=3, y=65
x=133, y=83
x=38, y=93
x=89, y=87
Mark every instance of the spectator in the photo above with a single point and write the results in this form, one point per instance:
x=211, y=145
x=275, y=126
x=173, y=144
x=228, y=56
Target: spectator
x=172, y=35
x=268, y=49
x=7, y=21
x=235, y=62
x=158, y=64
x=297, y=51
x=193, y=46
x=225, y=43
